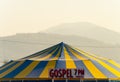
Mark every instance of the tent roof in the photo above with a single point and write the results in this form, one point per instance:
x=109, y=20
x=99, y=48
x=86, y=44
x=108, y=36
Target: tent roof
x=60, y=52
x=60, y=56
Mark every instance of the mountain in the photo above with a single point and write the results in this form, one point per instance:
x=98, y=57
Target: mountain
x=21, y=45
x=88, y=30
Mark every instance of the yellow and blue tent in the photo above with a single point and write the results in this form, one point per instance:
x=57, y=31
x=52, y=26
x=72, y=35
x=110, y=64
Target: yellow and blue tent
x=35, y=68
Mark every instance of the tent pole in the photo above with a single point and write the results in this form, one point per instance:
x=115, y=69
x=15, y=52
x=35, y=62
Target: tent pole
x=109, y=80
x=82, y=80
x=66, y=80
x=96, y=80
x=52, y=80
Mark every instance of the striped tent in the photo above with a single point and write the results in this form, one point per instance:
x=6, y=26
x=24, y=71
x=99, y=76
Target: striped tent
x=35, y=68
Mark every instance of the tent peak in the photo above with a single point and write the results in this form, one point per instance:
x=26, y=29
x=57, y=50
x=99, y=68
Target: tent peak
x=62, y=43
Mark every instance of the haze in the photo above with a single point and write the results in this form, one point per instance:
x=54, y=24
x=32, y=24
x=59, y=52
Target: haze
x=26, y=16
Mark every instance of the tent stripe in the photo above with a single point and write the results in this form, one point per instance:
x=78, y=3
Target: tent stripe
x=11, y=65
x=93, y=55
x=47, y=56
x=112, y=70
x=93, y=69
x=48, y=52
x=69, y=61
x=40, y=52
x=62, y=56
x=7, y=64
x=18, y=69
x=103, y=70
x=42, y=55
x=60, y=64
x=11, y=69
x=76, y=55
x=79, y=64
x=37, y=70
x=114, y=63
x=55, y=57
x=70, y=54
x=88, y=55
x=51, y=64
x=54, y=54
x=27, y=70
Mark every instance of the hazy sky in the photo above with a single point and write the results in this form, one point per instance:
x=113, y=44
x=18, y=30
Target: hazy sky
x=25, y=16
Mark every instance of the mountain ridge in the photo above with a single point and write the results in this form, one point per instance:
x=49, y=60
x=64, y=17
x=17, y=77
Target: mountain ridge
x=86, y=29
